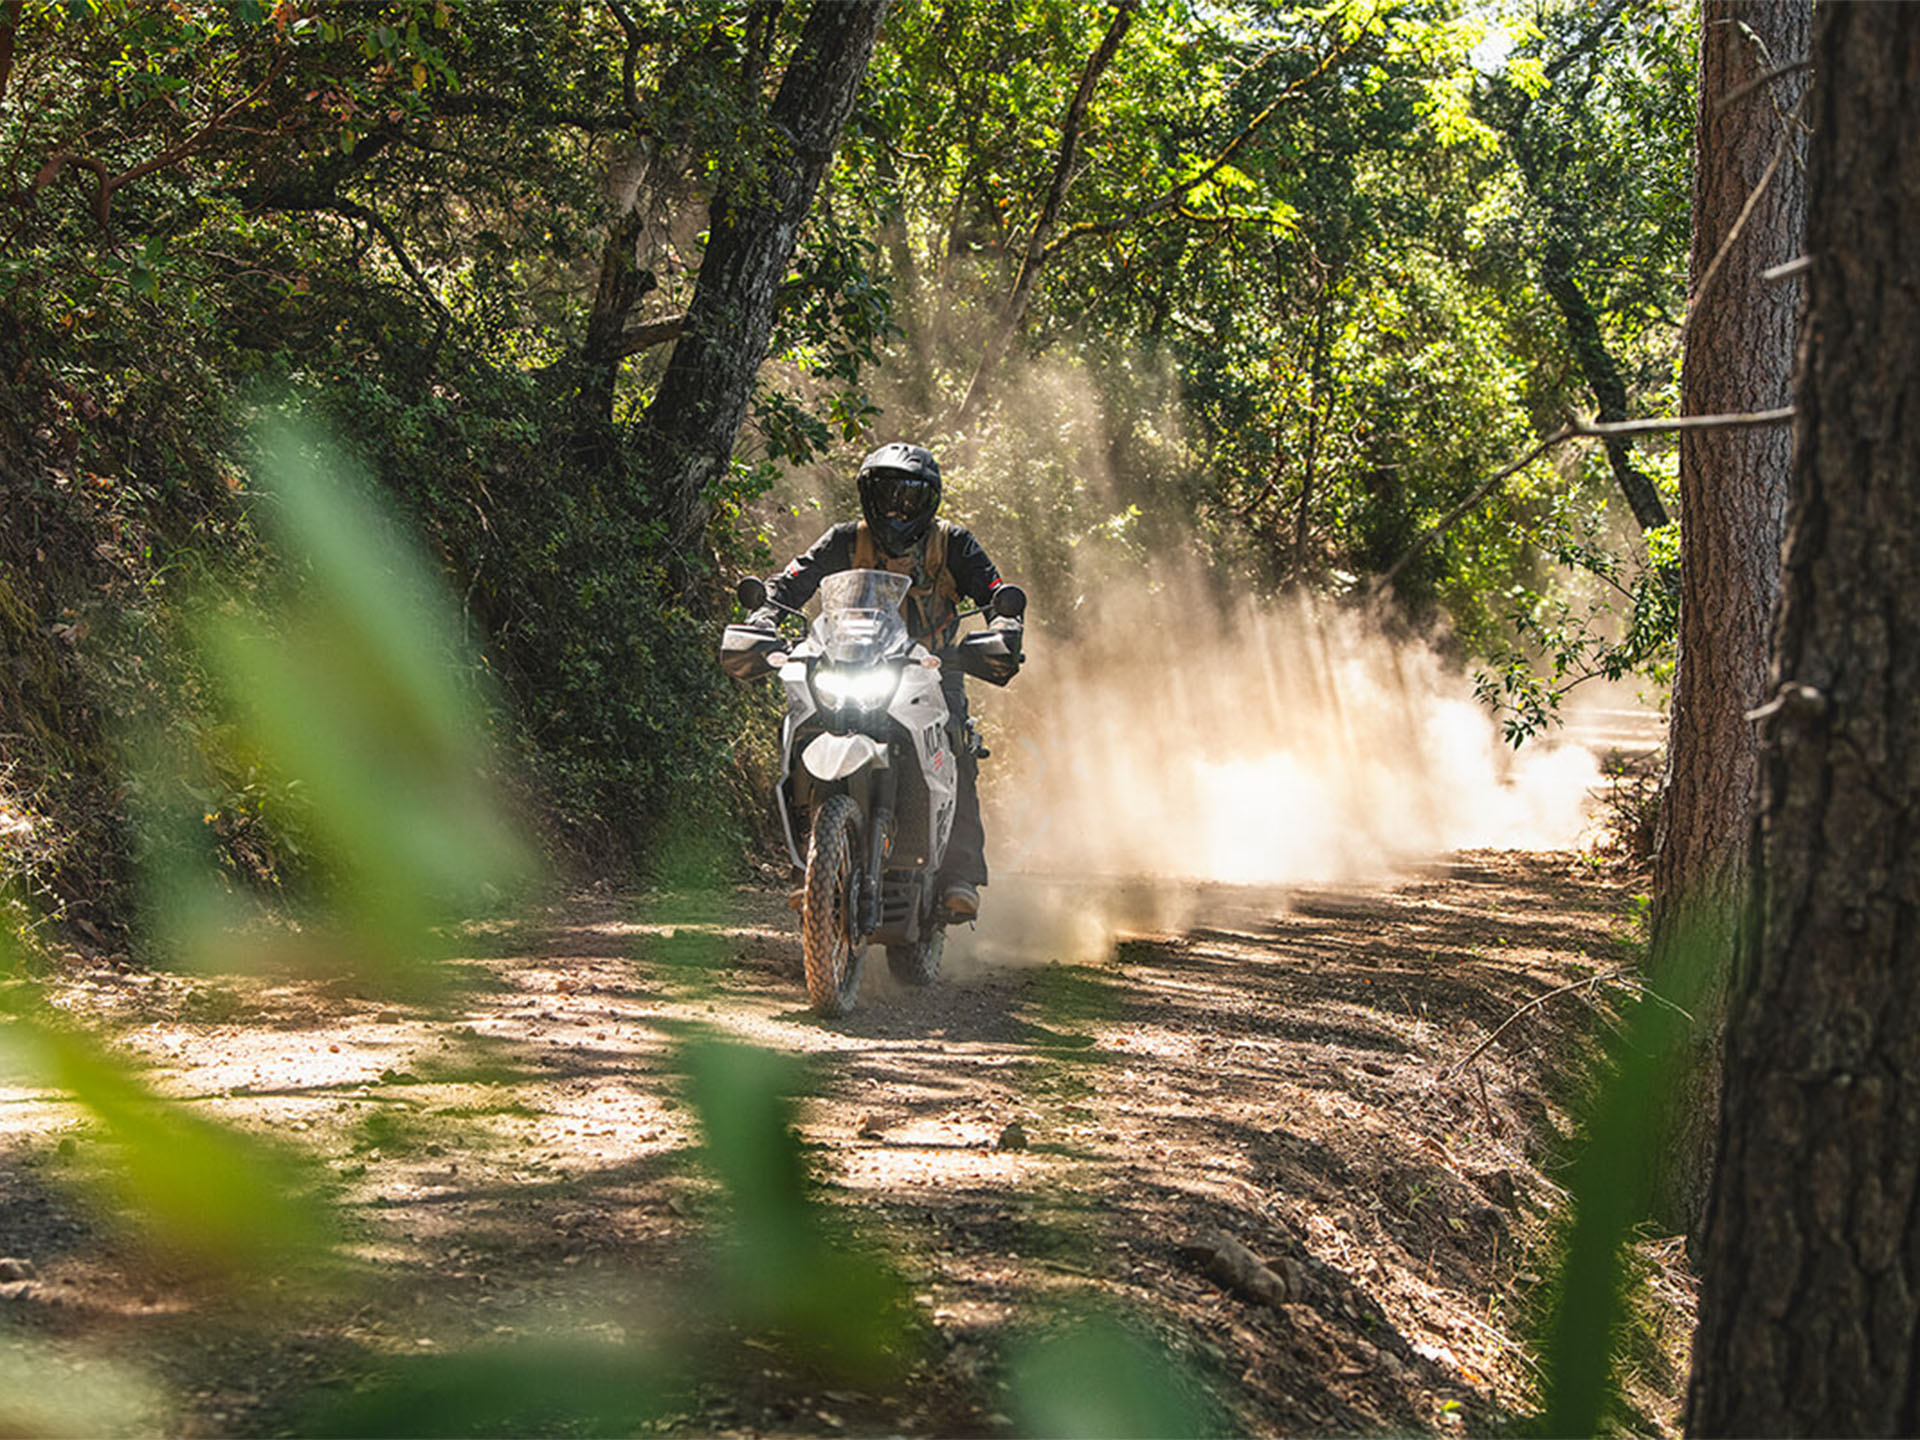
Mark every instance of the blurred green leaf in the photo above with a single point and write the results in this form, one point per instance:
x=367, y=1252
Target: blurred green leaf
x=225, y=1201
x=362, y=691
x=97, y=1396
x=573, y=1387
x=844, y=1309
x=1099, y=1377
x=1610, y=1186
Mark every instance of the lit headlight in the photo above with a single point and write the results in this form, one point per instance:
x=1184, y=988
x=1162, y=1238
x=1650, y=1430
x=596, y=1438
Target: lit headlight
x=866, y=688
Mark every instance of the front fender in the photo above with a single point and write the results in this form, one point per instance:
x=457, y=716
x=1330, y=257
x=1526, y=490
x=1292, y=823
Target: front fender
x=835, y=757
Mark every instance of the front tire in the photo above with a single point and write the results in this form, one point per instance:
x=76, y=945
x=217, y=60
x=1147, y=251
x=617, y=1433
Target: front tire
x=918, y=963
x=827, y=945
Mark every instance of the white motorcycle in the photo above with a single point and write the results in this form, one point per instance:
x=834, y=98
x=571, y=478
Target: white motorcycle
x=868, y=770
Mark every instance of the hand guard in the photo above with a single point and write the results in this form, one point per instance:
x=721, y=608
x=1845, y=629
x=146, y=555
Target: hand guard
x=994, y=654
x=745, y=650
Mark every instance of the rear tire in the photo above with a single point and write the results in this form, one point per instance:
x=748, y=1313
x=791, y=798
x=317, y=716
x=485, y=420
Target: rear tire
x=918, y=963
x=827, y=945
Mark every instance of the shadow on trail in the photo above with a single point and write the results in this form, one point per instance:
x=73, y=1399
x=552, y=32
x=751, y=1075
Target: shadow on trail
x=525, y=1170
x=1284, y=1078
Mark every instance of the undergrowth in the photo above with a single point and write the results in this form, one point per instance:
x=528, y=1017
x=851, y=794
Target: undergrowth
x=132, y=516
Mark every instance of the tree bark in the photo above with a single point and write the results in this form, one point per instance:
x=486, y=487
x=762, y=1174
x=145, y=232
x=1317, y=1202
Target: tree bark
x=622, y=283
x=690, y=426
x=1733, y=489
x=9, y=33
x=1810, y=1308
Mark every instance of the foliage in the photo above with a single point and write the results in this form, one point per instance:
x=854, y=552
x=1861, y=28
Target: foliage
x=365, y=640
x=1582, y=647
x=1305, y=291
x=1587, y=1335
x=1292, y=310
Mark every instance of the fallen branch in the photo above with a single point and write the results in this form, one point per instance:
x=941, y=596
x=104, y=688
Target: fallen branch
x=1618, y=973
x=1233, y=1265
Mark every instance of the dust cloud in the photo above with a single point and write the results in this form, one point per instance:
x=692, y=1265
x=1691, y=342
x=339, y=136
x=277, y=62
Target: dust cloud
x=1285, y=743
x=1169, y=737
x=1167, y=750
x=1179, y=748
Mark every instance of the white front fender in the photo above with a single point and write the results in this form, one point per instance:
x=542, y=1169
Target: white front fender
x=834, y=757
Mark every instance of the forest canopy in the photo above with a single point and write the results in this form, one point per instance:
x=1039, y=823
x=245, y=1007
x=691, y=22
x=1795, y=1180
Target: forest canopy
x=1279, y=285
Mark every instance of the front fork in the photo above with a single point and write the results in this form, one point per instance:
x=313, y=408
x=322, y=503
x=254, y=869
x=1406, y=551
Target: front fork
x=866, y=907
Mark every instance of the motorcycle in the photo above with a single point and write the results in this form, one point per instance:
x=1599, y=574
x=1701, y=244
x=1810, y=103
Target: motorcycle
x=869, y=769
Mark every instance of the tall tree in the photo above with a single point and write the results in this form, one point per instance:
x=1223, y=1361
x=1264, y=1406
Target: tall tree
x=695, y=415
x=1595, y=215
x=1810, y=1308
x=1749, y=214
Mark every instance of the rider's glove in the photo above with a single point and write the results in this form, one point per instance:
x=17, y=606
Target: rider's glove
x=765, y=618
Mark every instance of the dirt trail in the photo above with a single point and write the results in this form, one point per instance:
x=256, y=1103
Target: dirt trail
x=1015, y=1139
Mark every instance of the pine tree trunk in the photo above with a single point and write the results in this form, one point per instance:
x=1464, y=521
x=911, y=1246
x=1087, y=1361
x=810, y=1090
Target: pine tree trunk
x=696, y=413
x=1733, y=487
x=1810, y=1309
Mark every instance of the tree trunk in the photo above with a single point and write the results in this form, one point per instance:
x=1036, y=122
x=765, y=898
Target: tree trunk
x=1733, y=488
x=690, y=426
x=1600, y=369
x=1810, y=1309
x=622, y=283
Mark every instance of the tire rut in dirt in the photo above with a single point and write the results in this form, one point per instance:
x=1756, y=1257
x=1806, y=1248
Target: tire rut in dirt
x=832, y=962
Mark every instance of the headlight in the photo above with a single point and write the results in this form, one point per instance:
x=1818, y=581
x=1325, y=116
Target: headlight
x=866, y=688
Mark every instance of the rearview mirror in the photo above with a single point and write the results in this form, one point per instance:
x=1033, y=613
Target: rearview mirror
x=1009, y=602
x=752, y=592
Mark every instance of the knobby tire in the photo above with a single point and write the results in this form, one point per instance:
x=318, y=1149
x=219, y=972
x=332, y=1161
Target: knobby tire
x=826, y=912
x=918, y=963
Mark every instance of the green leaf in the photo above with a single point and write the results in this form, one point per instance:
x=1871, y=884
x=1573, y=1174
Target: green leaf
x=223, y=1200
x=1099, y=1377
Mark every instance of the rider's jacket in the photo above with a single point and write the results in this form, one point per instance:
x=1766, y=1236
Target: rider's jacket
x=947, y=566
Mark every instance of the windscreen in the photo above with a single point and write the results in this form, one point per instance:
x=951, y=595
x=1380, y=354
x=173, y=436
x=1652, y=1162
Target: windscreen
x=860, y=619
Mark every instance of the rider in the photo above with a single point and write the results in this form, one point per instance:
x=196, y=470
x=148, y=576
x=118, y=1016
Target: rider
x=899, y=493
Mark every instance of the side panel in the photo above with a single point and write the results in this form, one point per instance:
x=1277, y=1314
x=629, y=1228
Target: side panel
x=920, y=710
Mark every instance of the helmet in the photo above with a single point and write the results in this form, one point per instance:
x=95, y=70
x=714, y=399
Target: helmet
x=899, y=492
